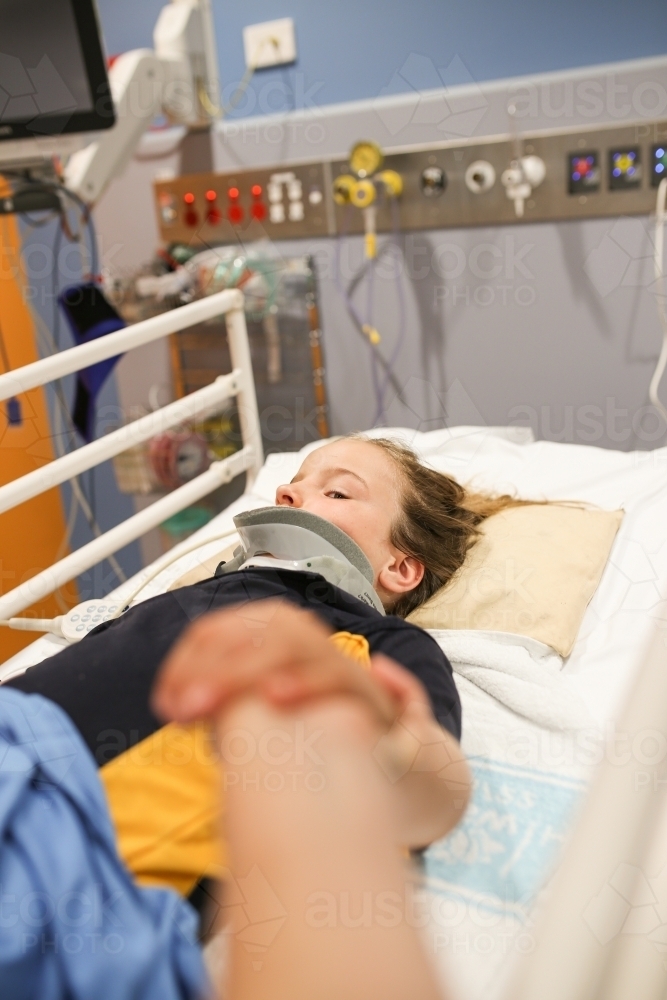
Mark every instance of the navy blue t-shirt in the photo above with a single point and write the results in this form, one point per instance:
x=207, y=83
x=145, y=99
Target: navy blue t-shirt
x=104, y=681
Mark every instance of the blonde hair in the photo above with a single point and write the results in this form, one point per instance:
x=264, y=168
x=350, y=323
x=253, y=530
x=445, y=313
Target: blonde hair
x=439, y=521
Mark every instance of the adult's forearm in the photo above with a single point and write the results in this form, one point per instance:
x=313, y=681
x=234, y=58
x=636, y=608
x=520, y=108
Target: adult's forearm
x=320, y=832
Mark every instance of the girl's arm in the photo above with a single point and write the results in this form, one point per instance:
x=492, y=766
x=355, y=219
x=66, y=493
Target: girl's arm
x=424, y=762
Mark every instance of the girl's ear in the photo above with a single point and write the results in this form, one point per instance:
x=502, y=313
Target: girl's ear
x=401, y=574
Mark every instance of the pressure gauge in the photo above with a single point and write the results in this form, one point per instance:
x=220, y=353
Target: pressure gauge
x=365, y=158
x=176, y=457
x=433, y=181
x=362, y=194
x=342, y=188
x=191, y=458
x=392, y=183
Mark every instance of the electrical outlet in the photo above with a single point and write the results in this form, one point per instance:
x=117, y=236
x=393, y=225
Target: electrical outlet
x=272, y=43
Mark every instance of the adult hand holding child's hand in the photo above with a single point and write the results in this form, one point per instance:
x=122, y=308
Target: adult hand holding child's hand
x=275, y=651
x=283, y=656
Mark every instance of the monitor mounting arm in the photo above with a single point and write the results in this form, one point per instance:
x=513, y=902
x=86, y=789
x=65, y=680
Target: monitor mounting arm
x=179, y=78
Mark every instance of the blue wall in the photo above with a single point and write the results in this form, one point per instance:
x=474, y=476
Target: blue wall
x=353, y=50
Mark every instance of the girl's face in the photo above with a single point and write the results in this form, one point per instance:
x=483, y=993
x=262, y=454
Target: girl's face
x=355, y=485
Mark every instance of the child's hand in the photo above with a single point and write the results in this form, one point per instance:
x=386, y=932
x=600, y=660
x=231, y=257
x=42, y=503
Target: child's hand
x=416, y=740
x=277, y=652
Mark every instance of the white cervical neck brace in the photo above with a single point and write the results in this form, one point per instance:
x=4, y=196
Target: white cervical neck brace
x=288, y=538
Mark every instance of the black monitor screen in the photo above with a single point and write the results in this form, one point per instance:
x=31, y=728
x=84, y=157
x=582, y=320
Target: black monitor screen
x=52, y=72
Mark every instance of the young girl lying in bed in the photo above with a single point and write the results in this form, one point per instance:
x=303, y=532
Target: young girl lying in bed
x=415, y=525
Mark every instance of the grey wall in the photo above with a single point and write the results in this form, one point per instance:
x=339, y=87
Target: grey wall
x=523, y=337
x=556, y=326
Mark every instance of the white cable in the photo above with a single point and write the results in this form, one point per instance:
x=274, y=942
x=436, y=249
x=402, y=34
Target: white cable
x=658, y=261
x=125, y=602
x=34, y=624
x=53, y=624
x=223, y=110
x=61, y=409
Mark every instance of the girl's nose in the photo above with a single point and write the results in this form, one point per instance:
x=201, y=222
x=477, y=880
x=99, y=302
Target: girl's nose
x=287, y=496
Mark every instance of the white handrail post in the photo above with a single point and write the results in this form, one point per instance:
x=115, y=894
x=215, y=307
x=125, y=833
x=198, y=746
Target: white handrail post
x=145, y=332
x=239, y=350
x=38, y=586
x=196, y=405
x=249, y=458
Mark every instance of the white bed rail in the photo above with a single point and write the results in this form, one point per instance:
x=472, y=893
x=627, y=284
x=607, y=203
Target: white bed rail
x=238, y=383
x=620, y=839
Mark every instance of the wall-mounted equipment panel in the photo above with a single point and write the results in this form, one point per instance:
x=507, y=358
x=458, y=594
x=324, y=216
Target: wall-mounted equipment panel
x=599, y=172
x=223, y=208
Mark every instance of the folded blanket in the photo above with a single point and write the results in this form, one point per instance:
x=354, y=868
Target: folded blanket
x=520, y=673
x=74, y=924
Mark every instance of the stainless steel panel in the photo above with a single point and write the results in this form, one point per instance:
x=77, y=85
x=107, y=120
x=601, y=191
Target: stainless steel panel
x=456, y=207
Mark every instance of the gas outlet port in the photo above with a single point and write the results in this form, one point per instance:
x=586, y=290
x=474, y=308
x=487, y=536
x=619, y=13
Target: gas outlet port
x=659, y=163
x=583, y=173
x=625, y=169
x=433, y=182
x=480, y=176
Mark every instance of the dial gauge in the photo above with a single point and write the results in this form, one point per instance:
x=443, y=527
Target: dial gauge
x=365, y=158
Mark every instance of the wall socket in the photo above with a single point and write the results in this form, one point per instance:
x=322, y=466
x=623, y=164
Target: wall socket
x=272, y=43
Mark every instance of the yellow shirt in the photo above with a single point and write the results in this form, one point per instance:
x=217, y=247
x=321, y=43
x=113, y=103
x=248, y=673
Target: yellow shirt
x=165, y=796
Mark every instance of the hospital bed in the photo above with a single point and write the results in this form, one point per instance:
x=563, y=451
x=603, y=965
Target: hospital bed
x=514, y=904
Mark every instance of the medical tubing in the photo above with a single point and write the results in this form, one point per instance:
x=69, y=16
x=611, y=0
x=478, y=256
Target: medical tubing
x=345, y=294
x=52, y=624
x=402, y=310
x=356, y=316
x=55, y=249
x=379, y=407
x=658, y=261
x=61, y=404
x=389, y=369
x=87, y=217
x=77, y=491
x=351, y=308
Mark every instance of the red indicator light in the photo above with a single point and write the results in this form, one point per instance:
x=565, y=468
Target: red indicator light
x=582, y=166
x=258, y=210
x=233, y=193
x=211, y=196
x=189, y=198
x=256, y=190
x=235, y=214
x=191, y=217
x=213, y=216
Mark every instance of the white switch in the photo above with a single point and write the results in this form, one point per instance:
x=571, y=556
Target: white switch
x=277, y=212
x=296, y=211
x=295, y=191
x=272, y=43
x=275, y=192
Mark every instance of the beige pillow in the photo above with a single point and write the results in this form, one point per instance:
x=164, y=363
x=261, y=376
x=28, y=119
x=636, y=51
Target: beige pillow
x=532, y=573
x=203, y=570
